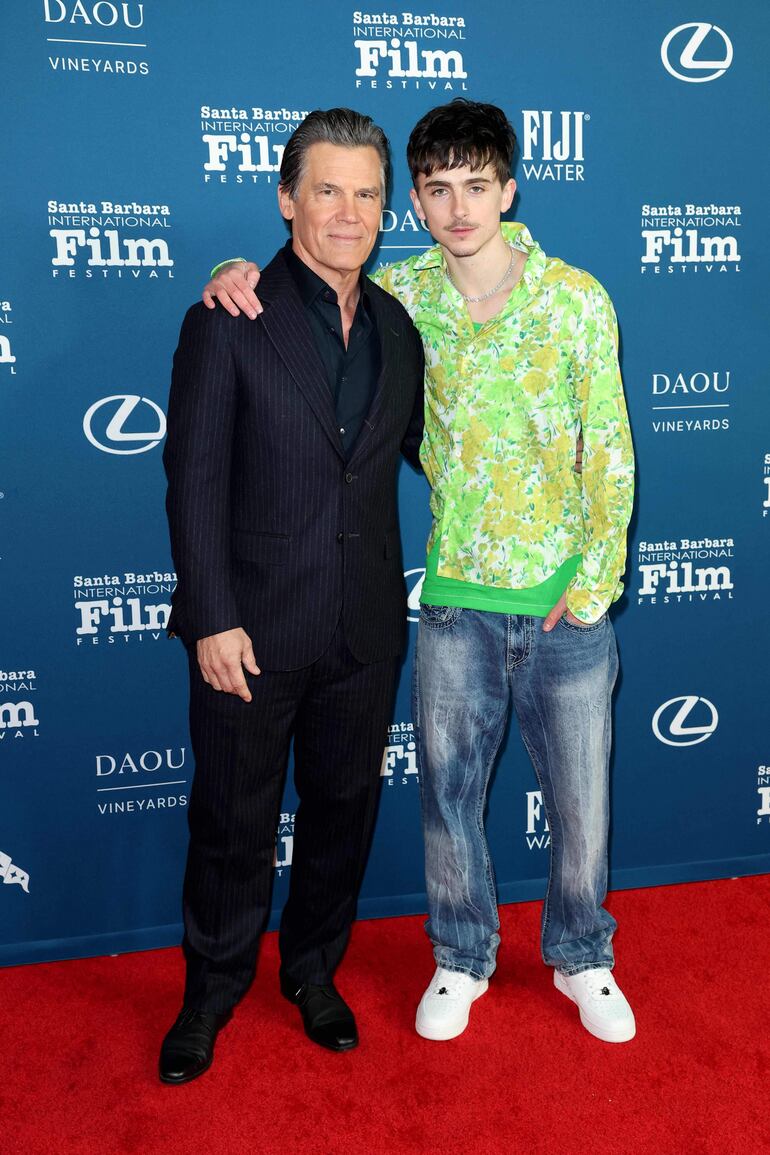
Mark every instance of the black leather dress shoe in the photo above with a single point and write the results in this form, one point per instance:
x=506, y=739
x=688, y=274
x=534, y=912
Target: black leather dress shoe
x=188, y=1048
x=327, y=1018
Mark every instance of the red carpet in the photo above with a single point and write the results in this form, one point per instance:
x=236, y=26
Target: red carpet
x=78, y=1046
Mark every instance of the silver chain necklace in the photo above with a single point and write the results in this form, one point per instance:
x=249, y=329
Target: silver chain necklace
x=491, y=293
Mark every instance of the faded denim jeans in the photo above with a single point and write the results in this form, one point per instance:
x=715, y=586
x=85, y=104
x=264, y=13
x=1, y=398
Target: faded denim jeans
x=469, y=667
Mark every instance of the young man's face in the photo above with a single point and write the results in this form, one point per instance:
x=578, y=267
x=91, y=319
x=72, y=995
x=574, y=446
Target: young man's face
x=336, y=213
x=462, y=208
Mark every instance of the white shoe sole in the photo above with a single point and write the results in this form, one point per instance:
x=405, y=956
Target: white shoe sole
x=440, y=1034
x=607, y=1032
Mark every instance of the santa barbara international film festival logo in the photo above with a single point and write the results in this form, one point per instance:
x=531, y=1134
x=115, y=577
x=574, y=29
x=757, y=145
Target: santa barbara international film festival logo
x=766, y=486
x=686, y=720
x=763, y=790
x=409, y=50
x=284, y=843
x=124, y=424
x=245, y=145
x=105, y=238
x=141, y=781
x=96, y=37
x=696, y=52
x=690, y=238
x=552, y=145
x=7, y=356
x=18, y=709
x=399, y=758
x=691, y=401
x=676, y=570
x=122, y=608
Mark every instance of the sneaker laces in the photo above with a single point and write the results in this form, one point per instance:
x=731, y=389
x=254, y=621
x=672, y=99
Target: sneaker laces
x=600, y=984
x=449, y=984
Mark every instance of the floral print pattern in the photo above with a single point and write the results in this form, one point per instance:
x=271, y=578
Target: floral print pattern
x=504, y=407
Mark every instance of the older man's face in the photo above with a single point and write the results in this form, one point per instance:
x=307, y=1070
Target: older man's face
x=336, y=213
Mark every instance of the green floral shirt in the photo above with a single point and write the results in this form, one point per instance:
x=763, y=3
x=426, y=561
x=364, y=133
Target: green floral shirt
x=503, y=410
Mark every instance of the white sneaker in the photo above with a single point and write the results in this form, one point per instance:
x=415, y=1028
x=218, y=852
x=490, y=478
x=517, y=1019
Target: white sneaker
x=444, y=1008
x=604, y=1009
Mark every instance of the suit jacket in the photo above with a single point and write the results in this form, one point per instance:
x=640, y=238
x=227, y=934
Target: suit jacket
x=271, y=528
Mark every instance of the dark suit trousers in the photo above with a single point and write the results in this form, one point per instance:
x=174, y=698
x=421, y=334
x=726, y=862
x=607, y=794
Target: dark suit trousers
x=337, y=711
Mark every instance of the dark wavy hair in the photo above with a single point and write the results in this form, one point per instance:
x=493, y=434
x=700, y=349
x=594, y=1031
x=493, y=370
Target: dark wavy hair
x=463, y=132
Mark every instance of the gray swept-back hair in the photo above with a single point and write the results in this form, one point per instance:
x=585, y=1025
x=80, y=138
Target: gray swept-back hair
x=341, y=126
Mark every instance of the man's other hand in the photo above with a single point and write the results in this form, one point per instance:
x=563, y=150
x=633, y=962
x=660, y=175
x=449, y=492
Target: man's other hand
x=222, y=657
x=233, y=287
x=559, y=611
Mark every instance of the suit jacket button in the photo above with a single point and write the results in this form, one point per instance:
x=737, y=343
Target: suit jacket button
x=340, y=538
x=348, y=477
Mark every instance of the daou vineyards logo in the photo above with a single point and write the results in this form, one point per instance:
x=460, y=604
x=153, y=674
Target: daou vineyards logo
x=18, y=714
x=400, y=225
x=691, y=402
x=690, y=238
x=10, y=873
x=684, y=569
x=110, y=424
x=7, y=357
x=538, y=834
x=102, y=24
x=245, y=145
x=140, y=782
x=552, y=145
x=100, y=239
x=685, y=721
x=681, y=46
x=122, y=608
x=399, y=759
x=414, y=579
x=398, y=50
x=284, y=844
x=763, y=790
x=766, y=486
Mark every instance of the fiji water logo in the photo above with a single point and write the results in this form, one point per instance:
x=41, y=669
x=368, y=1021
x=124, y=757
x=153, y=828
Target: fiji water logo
x=552, y=145
x=538, y=833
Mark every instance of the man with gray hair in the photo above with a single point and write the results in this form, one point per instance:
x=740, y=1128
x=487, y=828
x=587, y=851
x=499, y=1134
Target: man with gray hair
x=282, y=451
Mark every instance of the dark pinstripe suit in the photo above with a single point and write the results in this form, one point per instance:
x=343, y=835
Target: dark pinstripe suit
x=274, y=531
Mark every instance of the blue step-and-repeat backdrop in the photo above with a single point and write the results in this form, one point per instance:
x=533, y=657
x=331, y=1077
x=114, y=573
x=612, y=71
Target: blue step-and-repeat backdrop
x=142, y=145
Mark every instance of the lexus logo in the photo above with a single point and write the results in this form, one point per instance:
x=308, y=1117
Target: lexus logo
x=685, y=721
x=113, y=437
x=414, y=579
x=683, y=53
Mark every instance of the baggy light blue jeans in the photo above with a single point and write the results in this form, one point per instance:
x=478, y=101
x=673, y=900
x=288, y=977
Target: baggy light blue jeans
x=469, y=667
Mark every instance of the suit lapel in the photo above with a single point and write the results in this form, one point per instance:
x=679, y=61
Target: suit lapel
x=285, y=325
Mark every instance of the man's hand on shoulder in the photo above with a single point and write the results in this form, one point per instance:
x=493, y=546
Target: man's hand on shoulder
x=222, y=657
x=233, y=286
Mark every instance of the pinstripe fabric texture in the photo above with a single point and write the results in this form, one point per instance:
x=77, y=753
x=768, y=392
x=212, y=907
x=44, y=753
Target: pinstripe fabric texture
x=337, y=710
x=273, y=530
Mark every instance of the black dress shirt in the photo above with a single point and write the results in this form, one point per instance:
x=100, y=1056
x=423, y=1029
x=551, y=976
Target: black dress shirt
x=351, y=372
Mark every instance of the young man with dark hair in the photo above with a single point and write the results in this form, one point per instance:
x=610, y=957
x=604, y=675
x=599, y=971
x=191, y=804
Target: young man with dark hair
x=524, y=559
